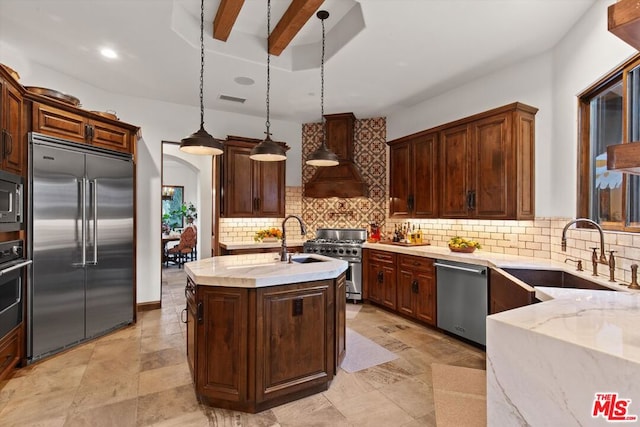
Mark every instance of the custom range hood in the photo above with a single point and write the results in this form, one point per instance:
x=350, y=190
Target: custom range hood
x=343, y=180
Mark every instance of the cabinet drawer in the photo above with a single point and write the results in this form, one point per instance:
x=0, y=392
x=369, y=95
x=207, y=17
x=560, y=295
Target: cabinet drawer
x=381, y=256
x=415, y=263
x=10, y=351
x=56, y=122
x=111, y=137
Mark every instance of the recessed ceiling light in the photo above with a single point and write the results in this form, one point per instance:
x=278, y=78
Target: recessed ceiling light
x=108, y=53
x=245, y=81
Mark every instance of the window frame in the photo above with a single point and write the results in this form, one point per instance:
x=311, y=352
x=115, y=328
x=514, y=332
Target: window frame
x=584, y=143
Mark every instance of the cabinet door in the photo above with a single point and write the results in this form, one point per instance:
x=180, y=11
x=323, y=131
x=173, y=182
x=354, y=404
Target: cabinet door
x=239, y=197
x=11, y=351
x=59, y=123
x=375, y=281
x=455, y=149
x=341, y=321
x=425, y=175
x=13, y=143
x=293, y=326
x=504, y=294
x=192, y=317
x=389, y=286
x=494, y=168
x=400, y=182
x=269, y=188
x=425, y=297
x=405, y=301
x=222, y=343
x=110, y=136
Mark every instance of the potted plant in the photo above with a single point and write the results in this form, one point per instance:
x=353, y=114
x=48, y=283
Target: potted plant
x=187, y=211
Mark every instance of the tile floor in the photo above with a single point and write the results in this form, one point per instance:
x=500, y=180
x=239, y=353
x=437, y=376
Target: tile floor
x=139, y=376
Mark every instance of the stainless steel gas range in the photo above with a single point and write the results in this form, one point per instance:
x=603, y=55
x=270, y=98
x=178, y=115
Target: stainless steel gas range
x=344, y=244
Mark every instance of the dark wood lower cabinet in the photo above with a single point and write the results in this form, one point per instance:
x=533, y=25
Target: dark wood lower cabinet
x=380, y=278
x=252, y=349
x=505, y=294
x=11, y=351
x=417, y=288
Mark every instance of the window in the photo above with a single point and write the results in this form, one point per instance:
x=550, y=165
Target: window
x=172, y=200
x=609, y=115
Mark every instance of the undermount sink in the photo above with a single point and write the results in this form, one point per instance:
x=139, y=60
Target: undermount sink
x=554, y=279
x=307, y=260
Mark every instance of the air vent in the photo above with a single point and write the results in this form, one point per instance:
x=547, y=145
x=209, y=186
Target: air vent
x=232, y=99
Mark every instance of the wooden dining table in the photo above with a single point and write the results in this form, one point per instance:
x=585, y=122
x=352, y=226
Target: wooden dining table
x=166, y=238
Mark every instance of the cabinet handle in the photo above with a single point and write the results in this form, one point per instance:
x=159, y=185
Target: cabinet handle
x=410, y=203
x=5, y=151
x=380, y=276
x=4, y=134
x=200, y=311
x=414, y=286
x=258, y=204
x=183, y=317
x=473, y=199
x=469, y=200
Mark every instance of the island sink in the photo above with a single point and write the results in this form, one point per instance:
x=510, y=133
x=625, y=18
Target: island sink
x=307, y=260
x=554, y=279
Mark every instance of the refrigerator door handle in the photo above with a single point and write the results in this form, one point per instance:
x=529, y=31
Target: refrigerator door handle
x=93, y=185
x=83, y=222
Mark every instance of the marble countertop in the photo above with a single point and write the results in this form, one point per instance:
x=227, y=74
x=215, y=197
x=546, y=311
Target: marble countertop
x=497, y=261
x=547, y=363
x=260, y=270
x=250, y=244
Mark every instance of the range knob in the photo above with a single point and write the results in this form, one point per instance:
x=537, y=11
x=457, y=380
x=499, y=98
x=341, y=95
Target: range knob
x=341, y=251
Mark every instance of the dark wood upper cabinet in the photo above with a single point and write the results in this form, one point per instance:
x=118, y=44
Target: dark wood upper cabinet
x=479, y=167
x=413, y=176
x=12, y=135
x=623, y=20
x=250, y=188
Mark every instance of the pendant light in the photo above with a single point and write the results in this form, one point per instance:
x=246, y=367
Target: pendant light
x=267, y=150
x=201, y=142
x=322, y=156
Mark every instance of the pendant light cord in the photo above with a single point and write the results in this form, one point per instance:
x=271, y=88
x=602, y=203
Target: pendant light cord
x=201, y=64
x=324, y=143
x=268, y=123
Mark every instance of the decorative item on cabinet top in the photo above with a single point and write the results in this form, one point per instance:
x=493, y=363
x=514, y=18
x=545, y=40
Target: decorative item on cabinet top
x=54, y=94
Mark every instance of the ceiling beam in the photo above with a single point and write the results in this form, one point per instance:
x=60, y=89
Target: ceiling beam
x=225, y=18
x=292, y=21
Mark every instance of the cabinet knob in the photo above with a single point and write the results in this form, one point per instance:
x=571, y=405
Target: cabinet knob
x=414, y=286
x=380, y=276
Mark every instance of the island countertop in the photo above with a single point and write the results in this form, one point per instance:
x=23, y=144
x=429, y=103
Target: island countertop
x=564, y=352
x=262, y=269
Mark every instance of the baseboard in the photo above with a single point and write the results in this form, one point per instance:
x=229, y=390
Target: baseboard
x=151, y=305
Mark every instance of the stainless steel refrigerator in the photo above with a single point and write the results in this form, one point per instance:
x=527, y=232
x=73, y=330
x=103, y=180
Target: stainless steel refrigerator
x=80, y=238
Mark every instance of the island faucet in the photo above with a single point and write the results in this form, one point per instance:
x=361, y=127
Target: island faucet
x=303, y=231
x=603, y=257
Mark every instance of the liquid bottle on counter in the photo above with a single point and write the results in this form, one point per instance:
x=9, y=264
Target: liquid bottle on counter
x=419, y=235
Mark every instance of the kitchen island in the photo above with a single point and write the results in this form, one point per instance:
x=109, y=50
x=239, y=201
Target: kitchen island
x=572, y=360
x=261, y=332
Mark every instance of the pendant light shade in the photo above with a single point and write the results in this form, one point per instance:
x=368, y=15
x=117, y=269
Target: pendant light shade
x=201, y=142
x=267, y=150
x=322, y=156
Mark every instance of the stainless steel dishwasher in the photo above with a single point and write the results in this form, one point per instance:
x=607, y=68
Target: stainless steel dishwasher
x=462, y=299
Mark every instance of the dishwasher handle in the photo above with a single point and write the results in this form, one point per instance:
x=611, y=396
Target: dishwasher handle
x=483, y=271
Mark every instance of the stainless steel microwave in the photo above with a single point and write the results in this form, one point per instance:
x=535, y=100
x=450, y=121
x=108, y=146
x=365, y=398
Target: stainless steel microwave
x=11, y=193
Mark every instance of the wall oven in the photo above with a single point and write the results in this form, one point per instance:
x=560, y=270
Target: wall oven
x=10, y=202
x=12, y=266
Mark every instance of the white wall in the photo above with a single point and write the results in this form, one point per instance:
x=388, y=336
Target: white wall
x=550, y=82
x=158, y=121
x=586, y=54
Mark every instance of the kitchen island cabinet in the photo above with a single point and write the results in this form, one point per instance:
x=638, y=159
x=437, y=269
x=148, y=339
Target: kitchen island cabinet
x=261, y=332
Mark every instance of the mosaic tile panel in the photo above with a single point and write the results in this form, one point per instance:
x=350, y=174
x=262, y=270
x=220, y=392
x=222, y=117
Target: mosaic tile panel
x=370, y=137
